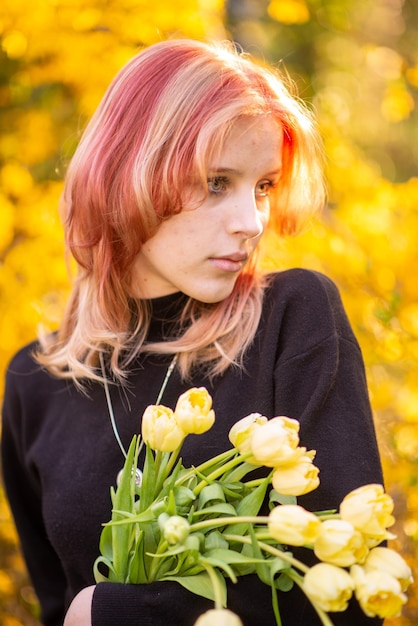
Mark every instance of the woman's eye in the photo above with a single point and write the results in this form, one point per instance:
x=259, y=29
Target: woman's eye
x=218, y=184
x=263, y=188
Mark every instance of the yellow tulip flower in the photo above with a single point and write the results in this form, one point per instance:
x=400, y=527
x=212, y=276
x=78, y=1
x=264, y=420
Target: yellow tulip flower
x=160, y=429
x=293, y=525
x=329, y=587
x=218, y=617
x=339, y=543
x=378, y=593
x=194, y=412
x=297, y=478
x=276, y=441
x=369, y=509
x=387, y=560
x=241, y=433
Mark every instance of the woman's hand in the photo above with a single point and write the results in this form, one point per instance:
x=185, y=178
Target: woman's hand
x=79, y=612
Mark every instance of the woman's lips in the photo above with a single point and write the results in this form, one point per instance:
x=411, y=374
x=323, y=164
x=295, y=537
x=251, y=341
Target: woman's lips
x=230, y=262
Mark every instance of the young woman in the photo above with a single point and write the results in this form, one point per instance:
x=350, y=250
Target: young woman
x=192, y=152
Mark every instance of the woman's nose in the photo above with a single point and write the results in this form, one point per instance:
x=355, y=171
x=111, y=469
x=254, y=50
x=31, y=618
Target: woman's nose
x=246, y=216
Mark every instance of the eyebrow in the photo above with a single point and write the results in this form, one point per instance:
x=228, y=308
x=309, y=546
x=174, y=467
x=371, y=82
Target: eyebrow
x=231, y=170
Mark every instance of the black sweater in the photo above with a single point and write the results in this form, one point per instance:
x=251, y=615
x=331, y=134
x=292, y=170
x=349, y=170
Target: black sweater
x=60, y=455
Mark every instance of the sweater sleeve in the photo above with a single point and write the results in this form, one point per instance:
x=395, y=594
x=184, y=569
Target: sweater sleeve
x=24, y=495
x=320, y=380
x=164, y=603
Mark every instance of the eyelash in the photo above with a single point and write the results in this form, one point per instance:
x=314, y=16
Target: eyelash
x=224, y=182
x=270, y=185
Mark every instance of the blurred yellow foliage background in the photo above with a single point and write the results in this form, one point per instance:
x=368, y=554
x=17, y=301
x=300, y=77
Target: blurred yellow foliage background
x=355, y=62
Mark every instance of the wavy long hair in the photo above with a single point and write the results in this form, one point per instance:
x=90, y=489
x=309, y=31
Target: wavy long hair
x=162, y=119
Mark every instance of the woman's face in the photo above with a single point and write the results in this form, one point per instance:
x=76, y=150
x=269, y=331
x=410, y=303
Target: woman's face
x=201, y=251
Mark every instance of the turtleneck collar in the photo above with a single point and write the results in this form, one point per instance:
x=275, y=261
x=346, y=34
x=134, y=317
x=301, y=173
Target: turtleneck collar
x=165, y=314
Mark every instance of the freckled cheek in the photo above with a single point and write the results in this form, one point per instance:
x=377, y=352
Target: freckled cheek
x=191, y=237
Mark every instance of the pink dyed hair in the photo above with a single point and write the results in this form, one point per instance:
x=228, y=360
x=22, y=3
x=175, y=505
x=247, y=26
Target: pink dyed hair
x=161, y=120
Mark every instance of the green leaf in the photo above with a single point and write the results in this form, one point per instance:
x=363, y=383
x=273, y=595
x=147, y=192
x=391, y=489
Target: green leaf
x=215, y=539
x=136, y=565
x=220, y=564
x=148, y=480
x=232, y=557
x=246, y=568
x=98, y=576
x=200, y=584
x=105, y=544
x=124, y=501
x=262, y=569
x=125, y=518
x=233, y=491
x=223, y=508
x=279, y=565
x=112, y=495
x=187, y=477
x=151, y=539
x=177, y=549
x=284, y=583
x=249, y=506
x=171, y=504
x=183, y=496
x=211, y=493
x=238, y=473
x=278, y=498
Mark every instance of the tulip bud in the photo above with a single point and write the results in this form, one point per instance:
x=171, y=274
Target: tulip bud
x=241, y=433
x=329, y=587
x=369, y=509
x=378, y=593
x=218, y=617
x=298, y=478
x=292, y=525
x=194, y=412
x=276, y=441
x=175, y=529
x=183, y=496
x=387, y=560
x=339, y=543
x=160, y=429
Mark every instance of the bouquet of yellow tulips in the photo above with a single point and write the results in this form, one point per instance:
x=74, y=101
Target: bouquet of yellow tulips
x=201, y=525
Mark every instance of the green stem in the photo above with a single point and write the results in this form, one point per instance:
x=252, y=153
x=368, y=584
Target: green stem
x=164, y=463
x=192, y=471
x=216, y=459
x=252, y=484
x=285, y=556
x=217, y=591
x=222, y=521
x=173, y=458
x=159, y=456
x=155, y=563
x=325, y=619
x=218, y=472
x=328, y=516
